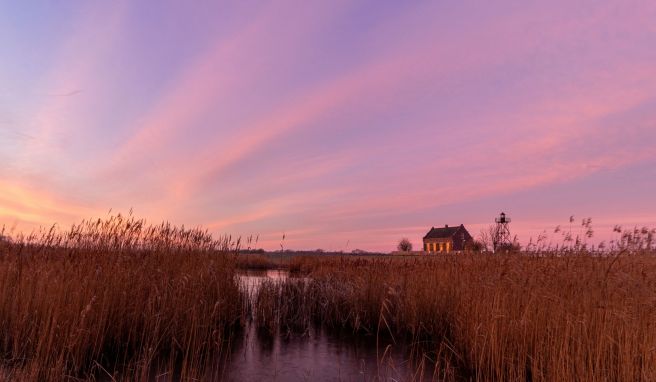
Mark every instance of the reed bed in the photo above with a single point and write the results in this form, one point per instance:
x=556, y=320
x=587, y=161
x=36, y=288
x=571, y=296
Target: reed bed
x=115, y=299
x=118, y=299
x=504, y=317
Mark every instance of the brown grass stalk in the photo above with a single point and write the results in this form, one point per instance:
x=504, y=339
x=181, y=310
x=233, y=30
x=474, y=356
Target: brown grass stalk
x=509, y=317
x=115, y=299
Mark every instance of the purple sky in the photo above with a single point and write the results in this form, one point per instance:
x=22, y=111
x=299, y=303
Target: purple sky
x=335, y=122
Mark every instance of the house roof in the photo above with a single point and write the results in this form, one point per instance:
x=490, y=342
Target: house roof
x=443, y=232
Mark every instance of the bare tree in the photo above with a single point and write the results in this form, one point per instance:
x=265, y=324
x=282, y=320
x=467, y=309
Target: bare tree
x=404, y=245
x=496, y=237
x=475, y=246
x=489, y=238
x=484, y=239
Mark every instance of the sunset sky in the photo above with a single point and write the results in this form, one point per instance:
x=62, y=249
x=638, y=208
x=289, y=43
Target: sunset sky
x=343, y=124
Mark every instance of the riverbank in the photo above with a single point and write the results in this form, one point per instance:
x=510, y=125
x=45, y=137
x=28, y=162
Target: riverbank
x=120, y=300
x=509, y=317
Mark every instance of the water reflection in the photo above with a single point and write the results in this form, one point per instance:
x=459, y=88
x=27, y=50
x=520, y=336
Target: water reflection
x=320, y=357
x=251, y=279
x=317, y=355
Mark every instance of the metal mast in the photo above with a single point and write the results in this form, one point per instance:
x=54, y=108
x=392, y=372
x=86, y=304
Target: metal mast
x=501, y=232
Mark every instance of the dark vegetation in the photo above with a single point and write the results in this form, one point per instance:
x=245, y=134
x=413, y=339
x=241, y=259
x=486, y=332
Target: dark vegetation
x=404, y=245
x=115, y=298
x=118, y=299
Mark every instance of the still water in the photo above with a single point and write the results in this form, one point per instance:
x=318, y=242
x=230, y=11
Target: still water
x=317, y=355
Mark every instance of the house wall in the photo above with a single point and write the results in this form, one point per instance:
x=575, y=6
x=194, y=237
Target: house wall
x=457, y=242
x=461, y=238
x=438, y=245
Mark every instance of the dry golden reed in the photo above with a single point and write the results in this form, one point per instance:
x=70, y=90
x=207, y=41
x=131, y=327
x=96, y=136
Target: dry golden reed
x=115, y=299
x=490, y=317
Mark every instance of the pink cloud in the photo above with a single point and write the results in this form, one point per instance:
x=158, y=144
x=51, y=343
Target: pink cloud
x=32, y=207
x=210, y=79
x=205, y=80
x=210, y=162
x=90, y=42
x=544, y=123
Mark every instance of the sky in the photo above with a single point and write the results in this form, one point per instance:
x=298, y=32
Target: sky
x=340, y=124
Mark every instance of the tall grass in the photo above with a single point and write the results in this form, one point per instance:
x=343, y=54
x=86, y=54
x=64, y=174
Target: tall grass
x=119, y=299
x=115, y=299
x=509, y=317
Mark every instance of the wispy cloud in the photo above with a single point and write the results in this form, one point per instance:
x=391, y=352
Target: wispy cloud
x=31, y=207
x=333, y=123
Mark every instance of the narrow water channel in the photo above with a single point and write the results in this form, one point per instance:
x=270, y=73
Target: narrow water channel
x=317, y=355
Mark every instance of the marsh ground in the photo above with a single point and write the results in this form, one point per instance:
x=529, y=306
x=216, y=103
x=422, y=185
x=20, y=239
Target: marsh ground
x=120, y=300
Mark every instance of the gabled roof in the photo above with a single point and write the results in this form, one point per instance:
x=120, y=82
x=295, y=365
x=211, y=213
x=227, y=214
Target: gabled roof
x=443, y=232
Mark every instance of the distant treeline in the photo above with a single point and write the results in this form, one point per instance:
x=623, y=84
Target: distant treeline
x=291, y=252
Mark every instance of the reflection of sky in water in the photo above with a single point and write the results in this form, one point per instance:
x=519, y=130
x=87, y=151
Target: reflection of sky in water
x=251, y=279
x=317, y=357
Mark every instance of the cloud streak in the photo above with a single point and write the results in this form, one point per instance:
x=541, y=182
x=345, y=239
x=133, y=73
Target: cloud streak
x=335, y=124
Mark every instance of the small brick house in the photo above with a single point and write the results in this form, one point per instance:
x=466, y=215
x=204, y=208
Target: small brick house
x=447, y=239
